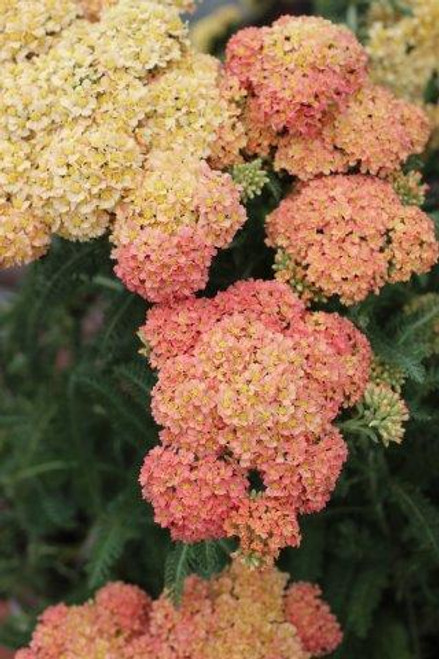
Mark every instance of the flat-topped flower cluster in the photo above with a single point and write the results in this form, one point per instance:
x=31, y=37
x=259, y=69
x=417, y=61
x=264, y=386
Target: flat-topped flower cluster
x=311, y=105
x=233, y=615
x=249, y=386
x=348, y=236
x=311, y=110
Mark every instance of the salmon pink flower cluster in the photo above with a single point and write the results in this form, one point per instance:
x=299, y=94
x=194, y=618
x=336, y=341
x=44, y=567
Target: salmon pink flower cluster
x=249, y=384
x=233, y=615
x=105, y=626
x=348, y=235
x=312, y=617
x=309, y=108
x=310, y=105
x=298, y=70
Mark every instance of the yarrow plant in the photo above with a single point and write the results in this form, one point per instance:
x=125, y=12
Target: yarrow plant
x=249, y=382
x=113, y=126
x=232, y=615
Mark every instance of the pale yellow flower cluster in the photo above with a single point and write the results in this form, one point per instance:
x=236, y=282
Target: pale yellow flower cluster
x=404, y=47
x=138, y=37
x=30, y=27
x=88, y=88
x=82, y=174
x=186, y=106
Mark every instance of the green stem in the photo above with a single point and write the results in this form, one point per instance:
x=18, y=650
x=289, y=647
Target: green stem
x=374, y=466
x=356, y=426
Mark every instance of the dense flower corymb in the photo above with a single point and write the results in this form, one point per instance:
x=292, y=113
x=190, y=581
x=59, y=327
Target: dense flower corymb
x=171, y=225
x=72, y=96
x=298, y=70
x=86, y=106
x=255, y=380
x=348, y=236
x=232, y=615
x=103, y=627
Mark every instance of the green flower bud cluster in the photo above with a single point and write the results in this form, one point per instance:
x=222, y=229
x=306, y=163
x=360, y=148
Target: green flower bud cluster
x=385, y=412
x=251, y=177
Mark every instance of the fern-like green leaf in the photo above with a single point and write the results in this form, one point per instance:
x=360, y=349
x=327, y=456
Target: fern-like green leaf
x=108, y=540
x=115, y=403
x=422, y=516
x=178, y=566
x=207, y=558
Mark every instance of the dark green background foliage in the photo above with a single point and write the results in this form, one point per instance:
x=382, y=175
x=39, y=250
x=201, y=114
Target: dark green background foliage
x=75, y=426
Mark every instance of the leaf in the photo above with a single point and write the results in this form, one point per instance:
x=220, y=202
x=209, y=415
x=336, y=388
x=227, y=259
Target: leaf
x=275, y=186
x=139, y=379
x=419, y=320
x=422, y=515
x=207, y=558
x=177, y=568
x=115, y=320
x=114, y=401
x=116, y=527
x=54, y=276
x=365, y=596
